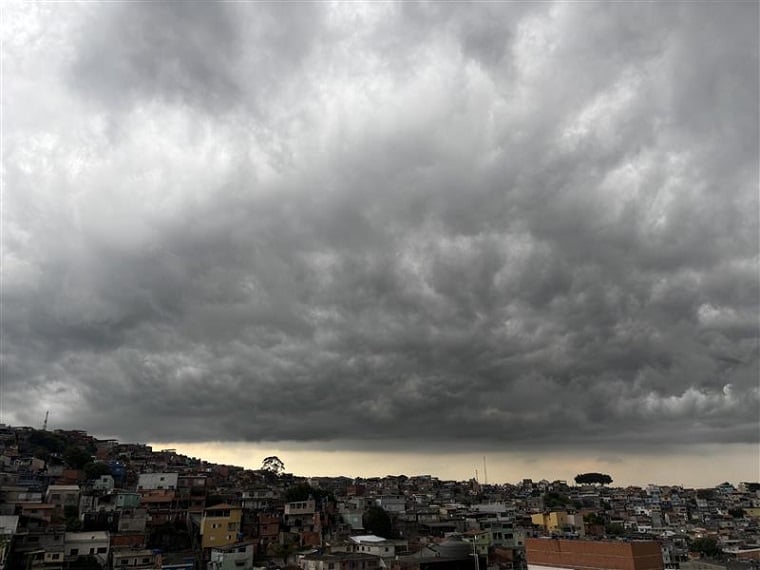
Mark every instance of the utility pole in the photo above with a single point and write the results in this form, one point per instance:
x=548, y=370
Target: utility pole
x=475, y=552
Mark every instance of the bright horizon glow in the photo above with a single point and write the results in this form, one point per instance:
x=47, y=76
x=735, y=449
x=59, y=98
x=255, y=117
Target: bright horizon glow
x=705, y=466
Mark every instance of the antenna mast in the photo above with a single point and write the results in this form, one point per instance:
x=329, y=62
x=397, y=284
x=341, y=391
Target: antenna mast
x=44, y=424
x=485, y=471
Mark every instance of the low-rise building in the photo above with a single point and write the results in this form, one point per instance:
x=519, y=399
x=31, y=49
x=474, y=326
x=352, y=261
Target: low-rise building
x=220, y=525
x=157, y=481
x=62, y=496
x=374, y=545
x=134, y=559
x=93, y=543
x=339, y=561
x=8, y=528
x=238, y=556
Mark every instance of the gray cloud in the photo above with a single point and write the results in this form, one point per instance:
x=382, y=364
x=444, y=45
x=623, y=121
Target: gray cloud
x=399, y=225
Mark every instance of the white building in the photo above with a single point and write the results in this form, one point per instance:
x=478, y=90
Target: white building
x=233, y=557
x=62, y=496
x=392, y=503
x=307, y=507
x=103, y=483
x=93, y=543
x=134, y=559
x=376, y=545
x=157, y=481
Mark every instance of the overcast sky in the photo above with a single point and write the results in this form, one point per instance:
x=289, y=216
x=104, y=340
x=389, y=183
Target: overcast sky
x=393, y=228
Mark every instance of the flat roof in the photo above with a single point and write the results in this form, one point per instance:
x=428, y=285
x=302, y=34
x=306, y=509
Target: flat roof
x=367, y=538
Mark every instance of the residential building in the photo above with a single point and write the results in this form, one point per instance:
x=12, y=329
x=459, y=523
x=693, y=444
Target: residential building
x=93, y=543
x=134, y=559
x=8, y=528
x=220, y=525
x=339, y=561
x=62, y=496
x=157, y=481
x=238, y=556
x=391, y=503
x=375, y=545
x=103, y=483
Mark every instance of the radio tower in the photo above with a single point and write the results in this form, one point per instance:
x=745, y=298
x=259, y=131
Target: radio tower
x=44, y=424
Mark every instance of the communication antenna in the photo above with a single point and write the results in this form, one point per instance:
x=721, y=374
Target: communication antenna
x=44, y=424
x=485, y=471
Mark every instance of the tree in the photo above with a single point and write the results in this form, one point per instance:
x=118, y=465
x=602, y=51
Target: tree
x=303, y=491
x=614, y=529
x=554, y=500
x=76, y=457
x=706, y=494
x=378, y=522
x=71, y=516
x=706, y=546
x=44, y=443
x=593, y=479
x=273, y=464
x=94, y=470
x=594, y=519
x=282, y=551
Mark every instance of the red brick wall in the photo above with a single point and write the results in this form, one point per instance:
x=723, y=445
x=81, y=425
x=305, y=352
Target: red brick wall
x=127, y=540
x=589, y=555
x=309, y=538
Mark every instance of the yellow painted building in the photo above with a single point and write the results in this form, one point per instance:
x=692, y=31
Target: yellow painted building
x=220, y=525
x=555, y=521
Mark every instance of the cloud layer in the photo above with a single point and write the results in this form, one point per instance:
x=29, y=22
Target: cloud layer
x=398, y=224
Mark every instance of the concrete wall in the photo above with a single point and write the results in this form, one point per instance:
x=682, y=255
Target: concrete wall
x=592, y=555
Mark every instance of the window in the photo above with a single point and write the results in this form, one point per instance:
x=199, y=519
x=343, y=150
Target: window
x=56, y=556
x=74, y=551
x=146, y=560
x=124, y=562
x=102, y=550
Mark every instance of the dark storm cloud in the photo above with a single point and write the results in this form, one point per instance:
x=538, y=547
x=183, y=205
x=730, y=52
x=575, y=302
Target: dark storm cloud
x=523, y=225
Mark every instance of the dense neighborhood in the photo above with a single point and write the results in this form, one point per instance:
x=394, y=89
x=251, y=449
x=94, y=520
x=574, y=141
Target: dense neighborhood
x=69, y=500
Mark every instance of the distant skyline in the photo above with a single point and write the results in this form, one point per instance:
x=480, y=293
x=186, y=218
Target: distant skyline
x=715, y=465
x=388, y=234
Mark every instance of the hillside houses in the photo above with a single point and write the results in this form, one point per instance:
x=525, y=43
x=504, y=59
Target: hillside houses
x=68, y=497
